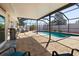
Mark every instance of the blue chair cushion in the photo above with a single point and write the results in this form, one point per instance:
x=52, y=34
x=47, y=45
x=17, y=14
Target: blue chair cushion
x=65, y=54
x=18, y=53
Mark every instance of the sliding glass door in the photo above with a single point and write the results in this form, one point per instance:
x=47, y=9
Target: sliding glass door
x=2, y=28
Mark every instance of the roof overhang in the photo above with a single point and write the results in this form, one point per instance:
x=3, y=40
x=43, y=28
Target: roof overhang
x=32, y=10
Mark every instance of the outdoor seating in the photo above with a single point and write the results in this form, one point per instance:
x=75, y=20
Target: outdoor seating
x=11, y=51
x=54, y=53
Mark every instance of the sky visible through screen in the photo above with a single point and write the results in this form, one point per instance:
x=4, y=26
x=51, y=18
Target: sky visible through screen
x=1, y=20
x=70, y=15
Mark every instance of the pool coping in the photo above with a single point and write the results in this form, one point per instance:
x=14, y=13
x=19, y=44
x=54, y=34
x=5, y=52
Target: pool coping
x=57, y=41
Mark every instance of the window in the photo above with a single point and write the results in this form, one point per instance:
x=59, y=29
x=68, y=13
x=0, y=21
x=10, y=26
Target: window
x=2, y=28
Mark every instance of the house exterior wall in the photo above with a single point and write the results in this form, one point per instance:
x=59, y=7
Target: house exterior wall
x=63, y=28
x=8, y=19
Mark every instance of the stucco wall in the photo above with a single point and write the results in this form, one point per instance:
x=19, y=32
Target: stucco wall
x=8, y=19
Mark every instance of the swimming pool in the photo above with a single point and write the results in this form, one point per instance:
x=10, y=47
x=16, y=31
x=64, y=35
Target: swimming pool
x=59, y=35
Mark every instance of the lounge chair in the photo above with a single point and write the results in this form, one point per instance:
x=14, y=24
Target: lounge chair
x=11, y=51
x=54, y=53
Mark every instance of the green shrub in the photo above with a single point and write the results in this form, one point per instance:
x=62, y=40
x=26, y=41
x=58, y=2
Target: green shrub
x=60, y=30
x=54, y=30
x=32, y=27
x=2, y=26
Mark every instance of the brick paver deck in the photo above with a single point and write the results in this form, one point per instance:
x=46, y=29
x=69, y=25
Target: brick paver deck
x=36, y=44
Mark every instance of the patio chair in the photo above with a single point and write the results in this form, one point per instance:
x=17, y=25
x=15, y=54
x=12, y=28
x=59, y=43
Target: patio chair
x=54, y=53
x=11, y=51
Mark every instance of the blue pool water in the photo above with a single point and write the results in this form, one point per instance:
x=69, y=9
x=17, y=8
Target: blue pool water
x=60, y=35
